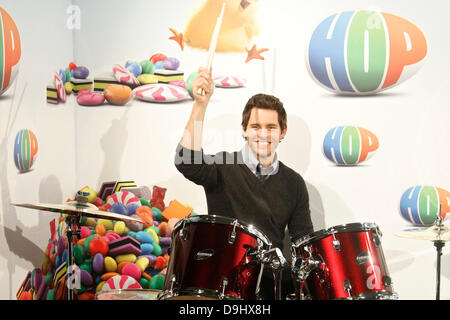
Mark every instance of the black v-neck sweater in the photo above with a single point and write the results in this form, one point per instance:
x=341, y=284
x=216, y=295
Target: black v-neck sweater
x=232, y=190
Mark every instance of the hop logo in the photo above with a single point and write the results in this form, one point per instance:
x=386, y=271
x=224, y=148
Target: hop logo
x=364, y=52
x=25, y=150
x=10, y=50
x=420, y=205
x=348, y=145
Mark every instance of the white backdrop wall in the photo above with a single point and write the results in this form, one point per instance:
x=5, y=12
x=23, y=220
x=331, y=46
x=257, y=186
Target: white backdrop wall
x=137, y=141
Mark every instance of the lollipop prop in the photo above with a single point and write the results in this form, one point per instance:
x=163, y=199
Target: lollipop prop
x=212, y=45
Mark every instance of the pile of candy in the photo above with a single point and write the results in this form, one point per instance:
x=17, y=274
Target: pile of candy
x=109, y=254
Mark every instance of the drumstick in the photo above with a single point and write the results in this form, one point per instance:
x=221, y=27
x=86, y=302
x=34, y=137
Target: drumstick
x=212, y=45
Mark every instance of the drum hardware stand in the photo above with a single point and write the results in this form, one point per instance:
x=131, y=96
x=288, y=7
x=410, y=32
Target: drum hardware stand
x=274, y=257
x=439, y=244
x=72, y=221
x=224, y=283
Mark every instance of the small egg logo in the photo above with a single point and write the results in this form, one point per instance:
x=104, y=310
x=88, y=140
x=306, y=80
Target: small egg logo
x=10, y=50
x=349, y=145
x=364, y=52
x=420, y=205
x=25, y=150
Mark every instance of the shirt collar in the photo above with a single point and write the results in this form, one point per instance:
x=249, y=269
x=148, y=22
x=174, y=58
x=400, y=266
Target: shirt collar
x=252, y=162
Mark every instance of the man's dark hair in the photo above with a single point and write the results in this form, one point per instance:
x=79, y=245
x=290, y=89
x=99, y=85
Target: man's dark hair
x=264, y=101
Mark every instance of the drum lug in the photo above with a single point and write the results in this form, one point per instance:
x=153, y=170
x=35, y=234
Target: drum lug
x=184, y=233
x=348, y=288
x=376, y=238
x=232, y=235
x=387, y=281
x=173, y=280
x=336, y=243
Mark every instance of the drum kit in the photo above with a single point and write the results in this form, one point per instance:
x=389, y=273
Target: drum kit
x=219, y=258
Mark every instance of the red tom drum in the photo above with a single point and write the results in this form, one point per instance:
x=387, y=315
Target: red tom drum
x=214, y=257
x=342, y=262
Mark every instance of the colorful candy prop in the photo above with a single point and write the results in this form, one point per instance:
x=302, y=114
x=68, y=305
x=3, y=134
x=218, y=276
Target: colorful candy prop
x=121, y=282
x=25, y=150
x=161, y=93
x=124, y=76
x=229, y=82
x=123, y=197
x=166, y=76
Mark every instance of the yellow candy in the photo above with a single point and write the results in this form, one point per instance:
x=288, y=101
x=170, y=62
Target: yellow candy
x=69, y=87
x=142, y=263
x=152, y=232
x=107, y=223
x=100, y=286
x=119, y=227
x=126, y=230
x=126, y=257
x=147, y=78
x=110, y=264
x=90, y=222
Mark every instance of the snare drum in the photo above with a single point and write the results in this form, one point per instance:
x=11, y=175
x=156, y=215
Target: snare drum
x=128, y=294
x=342, y=262
x=214, y=257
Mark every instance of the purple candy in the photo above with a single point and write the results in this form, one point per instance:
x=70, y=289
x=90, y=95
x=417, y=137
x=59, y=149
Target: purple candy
x=171, y=63
x=36, y=276
x=119, y=208
x=165, y=241
x=124, y=249
x=98, y=263
x=86, y=278
x=41, y=291
x=61, y=246
x=81, y=73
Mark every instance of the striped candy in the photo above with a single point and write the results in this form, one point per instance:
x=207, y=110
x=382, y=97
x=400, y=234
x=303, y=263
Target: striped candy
x=229, y=81
x=124, y=197
x=25, y=150
x=59, y=84
x=124, y=75
x=120, y=282
x=159, y=92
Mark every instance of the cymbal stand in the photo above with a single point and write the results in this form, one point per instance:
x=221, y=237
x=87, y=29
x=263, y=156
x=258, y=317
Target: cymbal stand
x=72, y=221
x=439, y=244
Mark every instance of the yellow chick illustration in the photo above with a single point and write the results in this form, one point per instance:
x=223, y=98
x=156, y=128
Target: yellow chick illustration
x=238, y=28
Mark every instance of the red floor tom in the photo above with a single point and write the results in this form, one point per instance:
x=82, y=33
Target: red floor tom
x=342, y=262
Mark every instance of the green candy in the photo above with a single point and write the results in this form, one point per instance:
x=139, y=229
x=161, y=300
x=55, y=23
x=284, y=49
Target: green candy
x=67, y=71
x=157, y=282
x=157, y=213
x=78, y=254
x=48, y=278
x=145, y=202
x=189, y=81
x=157, y=251
x=87, y=265
x=145, y=284
x=147, y=67
x=51, y=294
x=193, y=214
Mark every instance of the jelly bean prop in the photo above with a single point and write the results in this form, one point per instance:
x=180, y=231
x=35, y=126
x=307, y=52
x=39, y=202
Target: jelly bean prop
x=117, y=94
x=105, y=250
x=81, y=72
x=171, y=63
x=25, y=150
x=158, y=57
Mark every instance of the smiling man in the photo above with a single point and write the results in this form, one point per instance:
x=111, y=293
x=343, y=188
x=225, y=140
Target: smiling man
x=251, y=185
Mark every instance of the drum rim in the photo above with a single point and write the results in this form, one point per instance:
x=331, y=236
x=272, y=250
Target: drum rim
x=138, y=291
x=197, y=292
x=248, y=228
x=323, y=233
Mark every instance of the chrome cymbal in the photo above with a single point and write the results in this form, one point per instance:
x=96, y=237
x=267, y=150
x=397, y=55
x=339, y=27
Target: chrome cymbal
x=76, y=208
x=433, y=233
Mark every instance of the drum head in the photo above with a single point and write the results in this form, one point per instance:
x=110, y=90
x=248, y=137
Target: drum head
x=246, y=228
x=128, y=294
x=350, y=227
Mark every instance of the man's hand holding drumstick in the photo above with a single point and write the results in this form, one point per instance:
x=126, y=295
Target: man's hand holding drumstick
x=202, y=89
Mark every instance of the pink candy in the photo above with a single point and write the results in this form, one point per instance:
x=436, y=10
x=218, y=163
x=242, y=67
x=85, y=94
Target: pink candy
x=132, y=270
x=90, y=98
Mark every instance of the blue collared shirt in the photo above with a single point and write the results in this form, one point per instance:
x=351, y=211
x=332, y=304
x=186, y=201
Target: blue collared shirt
x=254, y=165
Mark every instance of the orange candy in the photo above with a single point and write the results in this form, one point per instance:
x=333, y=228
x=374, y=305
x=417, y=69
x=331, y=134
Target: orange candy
x=163, y=228
x=146, y=276
x=160, y=263
x=108, y=275
x=100, y=229
x=86, y=296
x=146, y=214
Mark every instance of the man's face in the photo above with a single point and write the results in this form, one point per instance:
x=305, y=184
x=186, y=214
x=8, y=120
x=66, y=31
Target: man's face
x=263, y=132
